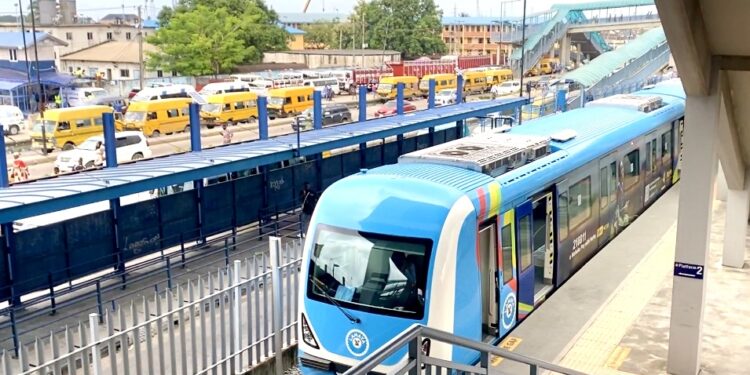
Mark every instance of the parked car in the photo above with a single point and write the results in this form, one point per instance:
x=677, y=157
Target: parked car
x=12, y=119
x=509, y=87
x=332, y=114
x=445, y=97
x=131, y=145
x=389, y=108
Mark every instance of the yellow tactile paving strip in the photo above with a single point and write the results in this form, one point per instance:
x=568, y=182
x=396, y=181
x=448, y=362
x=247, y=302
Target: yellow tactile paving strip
x=596, y=349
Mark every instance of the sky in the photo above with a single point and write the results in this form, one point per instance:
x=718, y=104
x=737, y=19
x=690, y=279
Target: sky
x=99, y=8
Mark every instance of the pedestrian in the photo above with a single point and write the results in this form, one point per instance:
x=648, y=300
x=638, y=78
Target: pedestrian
x=309, y=199
x=58, y=100
x=528, y=88
x=495, y=91
x=33, y=103
x=99, y=151
x=226, y=134
x=20, y=171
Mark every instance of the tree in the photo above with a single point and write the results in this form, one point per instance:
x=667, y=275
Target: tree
x=258, y=23
x=321, y=34
x=412, y=27
x=199, y=42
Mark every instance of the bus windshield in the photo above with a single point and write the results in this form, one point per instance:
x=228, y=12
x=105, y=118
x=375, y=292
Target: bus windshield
x=276, y=101
x=369, y=272
x=385, y=87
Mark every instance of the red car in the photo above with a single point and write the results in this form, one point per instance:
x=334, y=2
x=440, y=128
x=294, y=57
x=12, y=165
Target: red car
x=389, y=108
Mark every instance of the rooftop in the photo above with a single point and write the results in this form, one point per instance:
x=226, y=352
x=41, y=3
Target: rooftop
x=112, y=51
x=310, y=17
x=294, y=30
x=14, y=39
x=342, y=52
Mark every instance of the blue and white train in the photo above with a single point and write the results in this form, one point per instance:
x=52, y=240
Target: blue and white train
x=471, y=236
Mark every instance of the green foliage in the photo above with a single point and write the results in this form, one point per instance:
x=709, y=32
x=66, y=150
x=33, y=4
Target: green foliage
x=238, y=31
x=323, y=34
x=412, y=27
x=199, y=42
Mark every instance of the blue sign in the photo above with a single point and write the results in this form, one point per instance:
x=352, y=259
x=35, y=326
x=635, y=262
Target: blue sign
x=692, y=271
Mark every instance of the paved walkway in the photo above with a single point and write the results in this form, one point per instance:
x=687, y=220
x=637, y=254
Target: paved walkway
x=629, y=334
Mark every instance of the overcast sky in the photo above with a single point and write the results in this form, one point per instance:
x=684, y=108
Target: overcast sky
x=99, y=8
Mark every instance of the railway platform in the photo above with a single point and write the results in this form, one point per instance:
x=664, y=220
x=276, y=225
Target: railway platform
x=612, y=317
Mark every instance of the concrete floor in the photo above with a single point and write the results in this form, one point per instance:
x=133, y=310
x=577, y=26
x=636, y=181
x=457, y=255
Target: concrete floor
x=726, y=328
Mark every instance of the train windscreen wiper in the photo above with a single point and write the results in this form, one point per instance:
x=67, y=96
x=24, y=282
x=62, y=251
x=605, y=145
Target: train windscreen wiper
x=330, y=299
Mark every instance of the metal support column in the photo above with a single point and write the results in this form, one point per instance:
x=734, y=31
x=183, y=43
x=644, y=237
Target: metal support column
x=400, y=99
x=362, y=103
x=262, y=117
x=431, y=95
x=459, y=89
x=195, y=146
x=110, y=151
x=317, y=110
x=7, y=228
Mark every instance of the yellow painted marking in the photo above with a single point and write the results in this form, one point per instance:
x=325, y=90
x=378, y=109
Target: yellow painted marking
x=510, y=344
x=618, y=357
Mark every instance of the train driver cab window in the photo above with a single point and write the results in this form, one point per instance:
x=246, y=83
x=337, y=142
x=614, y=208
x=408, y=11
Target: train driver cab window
x=507, y=244
x=370, y=272
x=631, y=170
x=579, y=204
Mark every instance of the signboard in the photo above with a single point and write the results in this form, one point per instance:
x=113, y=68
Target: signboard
x=692, y=271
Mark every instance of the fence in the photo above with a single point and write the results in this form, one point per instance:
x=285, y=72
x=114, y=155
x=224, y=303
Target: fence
x=418, y=339
x=225, y=322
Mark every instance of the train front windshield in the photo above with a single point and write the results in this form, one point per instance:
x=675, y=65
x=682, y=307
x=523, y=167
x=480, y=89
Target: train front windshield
x=369, y=272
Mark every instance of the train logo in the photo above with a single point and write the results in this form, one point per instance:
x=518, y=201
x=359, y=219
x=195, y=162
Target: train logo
x=509, y=310
x=357, y=343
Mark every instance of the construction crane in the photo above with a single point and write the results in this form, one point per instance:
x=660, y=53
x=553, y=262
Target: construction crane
x=307, y=4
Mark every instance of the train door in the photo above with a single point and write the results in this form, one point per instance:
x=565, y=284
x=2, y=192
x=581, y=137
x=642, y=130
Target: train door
x=653, y=182
x=607, y=198
x=630, y=182
x=525, y=270
x=488, y=271
x=542, y=245
x=677, y=131
x=509, y=281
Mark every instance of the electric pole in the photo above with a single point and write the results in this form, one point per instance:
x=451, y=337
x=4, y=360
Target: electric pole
x=140, y=48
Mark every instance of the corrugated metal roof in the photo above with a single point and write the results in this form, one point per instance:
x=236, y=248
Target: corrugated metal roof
x=49, y=195
x=608, y=62
x=13, y=39
x=125, y=51
x=461, y=179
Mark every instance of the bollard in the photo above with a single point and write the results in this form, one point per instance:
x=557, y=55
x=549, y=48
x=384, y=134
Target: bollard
x=459, y=89
x=317, y=110
x=110, y=144
x=263, y=117
x=195, y=127
x=431, y=95
x=400, y=99
x=362, y=103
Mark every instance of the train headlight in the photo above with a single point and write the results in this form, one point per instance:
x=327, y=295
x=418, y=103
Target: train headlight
x=307, y=334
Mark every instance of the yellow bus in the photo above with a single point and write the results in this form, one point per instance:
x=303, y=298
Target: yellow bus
x=231, y=107
x=289, y=101
x=475, y=82
x=498, y=76
x=442, y=82
x=64, y=128
x=157, y=117
x=388, y=87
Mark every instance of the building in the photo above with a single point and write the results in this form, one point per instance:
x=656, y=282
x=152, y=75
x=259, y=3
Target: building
x=80, y=36
x=21, y=76
x=114, y=60
x=297, y=41
x=298, y=20
x=474, y=36
x=330, y=58
x=120, y=19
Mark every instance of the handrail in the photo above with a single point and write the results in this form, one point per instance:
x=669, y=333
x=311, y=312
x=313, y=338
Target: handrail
x=415, y=333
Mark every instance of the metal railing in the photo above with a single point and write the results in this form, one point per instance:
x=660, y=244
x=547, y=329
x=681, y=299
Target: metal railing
x=227, y=321
x=417, y=360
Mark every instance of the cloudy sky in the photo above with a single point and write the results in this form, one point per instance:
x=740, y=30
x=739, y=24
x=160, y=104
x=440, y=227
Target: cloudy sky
x=99, y=8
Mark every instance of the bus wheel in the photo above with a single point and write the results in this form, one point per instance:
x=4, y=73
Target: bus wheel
x=155, y=134
x=89, y=165
x=251, y=119
x=68, y=146
x=187, y=129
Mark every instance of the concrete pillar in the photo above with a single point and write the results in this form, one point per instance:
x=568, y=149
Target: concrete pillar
x=721, y=185
x=735, y=229
x=565, y=50
x=578, y=56
x=693, y=233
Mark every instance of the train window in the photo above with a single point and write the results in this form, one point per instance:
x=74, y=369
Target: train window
x=654, y=158
x=631, y=170
x=579, y=206
x=562, y=215
x=649, y=159
x=506, y=240
x=525, y=239
x=666, y=144
x=604, y=193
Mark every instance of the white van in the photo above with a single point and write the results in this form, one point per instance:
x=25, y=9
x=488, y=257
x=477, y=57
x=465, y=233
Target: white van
x=156, y=93
x=320, y=83
x=224, y=87
x=79, y=96
x=12, y=119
